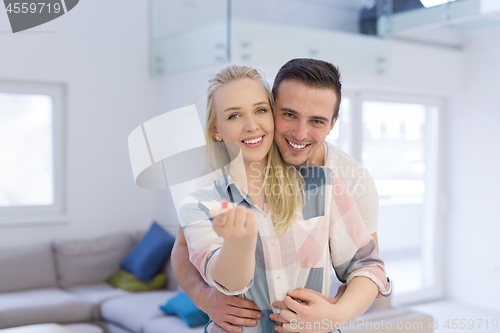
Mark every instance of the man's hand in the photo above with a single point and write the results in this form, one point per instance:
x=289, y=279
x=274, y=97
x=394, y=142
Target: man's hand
x=227, y=311
x=314, y=308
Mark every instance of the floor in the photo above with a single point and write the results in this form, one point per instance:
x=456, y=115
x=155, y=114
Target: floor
x=449, y=316
x=448, y=313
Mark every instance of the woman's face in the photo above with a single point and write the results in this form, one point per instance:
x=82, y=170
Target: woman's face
x=244, y=117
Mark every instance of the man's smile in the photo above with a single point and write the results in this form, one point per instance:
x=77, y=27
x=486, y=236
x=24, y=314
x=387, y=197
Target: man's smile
x=296, y=146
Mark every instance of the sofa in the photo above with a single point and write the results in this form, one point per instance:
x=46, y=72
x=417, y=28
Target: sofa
x=65, y=282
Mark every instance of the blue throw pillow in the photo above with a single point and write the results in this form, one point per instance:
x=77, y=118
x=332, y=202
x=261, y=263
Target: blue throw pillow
x=149, y=255
x=182, y=306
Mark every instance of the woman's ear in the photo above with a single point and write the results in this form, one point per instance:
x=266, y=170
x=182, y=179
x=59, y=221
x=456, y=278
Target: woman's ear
x=215, y=133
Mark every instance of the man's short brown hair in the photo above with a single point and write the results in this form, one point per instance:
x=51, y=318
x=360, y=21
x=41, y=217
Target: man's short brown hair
x=312, y=73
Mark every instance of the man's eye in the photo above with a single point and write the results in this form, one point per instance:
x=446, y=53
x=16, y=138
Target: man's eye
x=318, y=122
x=290, y=115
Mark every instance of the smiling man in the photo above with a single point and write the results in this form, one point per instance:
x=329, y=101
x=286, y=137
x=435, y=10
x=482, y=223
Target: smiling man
x=307, y=94
x=306, y=111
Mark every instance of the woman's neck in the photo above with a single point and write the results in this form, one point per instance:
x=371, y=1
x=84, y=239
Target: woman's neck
x=250, y=178
x=255, y=179
x=255, y=170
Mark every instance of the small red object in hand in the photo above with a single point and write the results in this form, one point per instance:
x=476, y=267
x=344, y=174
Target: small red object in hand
x=224, y=204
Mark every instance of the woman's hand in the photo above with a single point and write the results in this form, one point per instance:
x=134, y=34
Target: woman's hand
x=229, y=312
x=233, y=266
x=236, y=222
x=281, y=304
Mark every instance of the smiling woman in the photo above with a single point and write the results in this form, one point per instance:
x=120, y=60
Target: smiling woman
x=239, y=112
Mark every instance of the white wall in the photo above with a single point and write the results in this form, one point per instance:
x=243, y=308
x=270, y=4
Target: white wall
x=175, y=91
x=473, y=164
x=100, y=50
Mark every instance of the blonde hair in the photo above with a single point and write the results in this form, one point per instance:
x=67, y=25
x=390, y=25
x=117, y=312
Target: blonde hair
x=283, y=182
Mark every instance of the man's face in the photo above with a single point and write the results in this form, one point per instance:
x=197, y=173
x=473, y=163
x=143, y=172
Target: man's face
x=303, y=118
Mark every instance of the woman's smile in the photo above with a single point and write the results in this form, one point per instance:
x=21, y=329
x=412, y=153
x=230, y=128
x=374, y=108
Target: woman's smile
x=253, y=142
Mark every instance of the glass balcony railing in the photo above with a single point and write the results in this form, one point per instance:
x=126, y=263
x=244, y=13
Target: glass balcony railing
x=352, y=34
x=191, y=34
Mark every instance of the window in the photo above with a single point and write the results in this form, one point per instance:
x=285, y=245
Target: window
x=31, y=153
x=397, y=139
x=339, y=135
x=393, y=148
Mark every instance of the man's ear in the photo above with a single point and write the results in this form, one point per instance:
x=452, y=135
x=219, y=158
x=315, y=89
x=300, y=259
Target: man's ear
x=215, y=133
x=334, y=121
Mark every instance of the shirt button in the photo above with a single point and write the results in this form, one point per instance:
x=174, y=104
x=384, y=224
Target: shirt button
x=274, y=243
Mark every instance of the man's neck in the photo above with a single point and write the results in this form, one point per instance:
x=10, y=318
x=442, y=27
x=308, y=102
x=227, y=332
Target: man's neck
x=317, y=158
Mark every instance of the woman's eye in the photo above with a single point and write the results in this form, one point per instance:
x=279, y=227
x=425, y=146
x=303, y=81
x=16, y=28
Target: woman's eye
x=261, y=111
x=233, y=116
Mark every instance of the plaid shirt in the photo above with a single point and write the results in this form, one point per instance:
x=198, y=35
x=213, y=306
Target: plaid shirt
x=327, y=230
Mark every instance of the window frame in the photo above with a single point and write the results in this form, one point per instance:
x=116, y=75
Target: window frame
x=56, y=212
x=435, y=199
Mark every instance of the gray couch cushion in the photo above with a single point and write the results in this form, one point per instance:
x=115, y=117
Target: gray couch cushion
x=27, y=268
x=113, y=328
x=39, y=328
x=96, y=294
x=85, y=328
x=92, y=260
x=135, y=310
x=42, y=306
x=170, y=324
